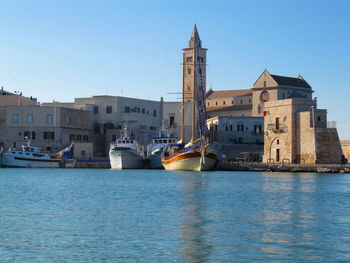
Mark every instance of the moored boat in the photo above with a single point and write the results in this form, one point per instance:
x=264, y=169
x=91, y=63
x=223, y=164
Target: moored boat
x=197, y=155
x=192, y=158
x=125, y=153
x=155, y=150
x=32, y=157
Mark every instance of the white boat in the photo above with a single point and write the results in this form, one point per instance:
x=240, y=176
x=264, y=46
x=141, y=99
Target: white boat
x=126, y=153
x=32, y=157
x=155, y=150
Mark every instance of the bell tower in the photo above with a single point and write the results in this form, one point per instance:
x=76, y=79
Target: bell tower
x=188, y=70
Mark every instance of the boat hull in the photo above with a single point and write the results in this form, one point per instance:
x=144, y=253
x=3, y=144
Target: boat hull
x=125, y=159
x=192, y=161
x=10, y=160
x=155, y=160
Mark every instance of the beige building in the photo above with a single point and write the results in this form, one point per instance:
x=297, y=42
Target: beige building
x=51, y=128
x=346, y=148
x=12, y=99
x=109, y=114
x=83, y=150
x=296, y=132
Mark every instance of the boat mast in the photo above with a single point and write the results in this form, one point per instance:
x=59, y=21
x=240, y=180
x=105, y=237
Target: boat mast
x=194, y=86
x=183, y=102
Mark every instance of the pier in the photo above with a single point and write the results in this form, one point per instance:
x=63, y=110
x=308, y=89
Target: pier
x=292, y=168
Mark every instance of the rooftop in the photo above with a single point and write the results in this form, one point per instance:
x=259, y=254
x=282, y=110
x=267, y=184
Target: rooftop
x=227, y=93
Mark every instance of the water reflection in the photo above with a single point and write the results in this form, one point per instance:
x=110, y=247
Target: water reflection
x=288, y=214
x=194, y=247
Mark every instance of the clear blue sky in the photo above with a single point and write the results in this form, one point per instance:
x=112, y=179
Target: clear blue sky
x=58, y=50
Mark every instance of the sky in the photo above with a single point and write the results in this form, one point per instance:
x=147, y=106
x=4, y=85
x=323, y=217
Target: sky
x=60, y=50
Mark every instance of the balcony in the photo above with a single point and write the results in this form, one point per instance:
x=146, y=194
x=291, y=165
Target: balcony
x=281, y=128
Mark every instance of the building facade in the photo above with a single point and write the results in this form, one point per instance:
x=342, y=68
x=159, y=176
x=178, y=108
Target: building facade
x=51, y=128
x=232, y=136
x=296, y=132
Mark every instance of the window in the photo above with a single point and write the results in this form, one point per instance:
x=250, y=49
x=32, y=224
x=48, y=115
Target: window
x=83, y=153
x=126, y=109
x=71, y=137
x=154, y=113
x=26, y=134
x=232, y=102
x=189, y=71
x=241, y=101
x=49, y=135
x=143, y=111
x=85, y=138
x=208, y=103
x=250, y=101
x=223, y=102
x=260, y=108
x=230, y=127
x=240, y=127
x=172, y=120
x=277, y=124
x=79, y=137
x=109, y=109
x=114, y=138
x=200, y=59
x=49, y=119
x=29, y=118
x=257, y=128
x=216, y=103
x=14, y=118
x=33, y=134
x=95, y=109
x=69, y=120
x=189, y=59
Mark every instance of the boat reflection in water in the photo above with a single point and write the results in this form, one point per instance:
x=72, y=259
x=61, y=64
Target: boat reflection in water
x=194, y=246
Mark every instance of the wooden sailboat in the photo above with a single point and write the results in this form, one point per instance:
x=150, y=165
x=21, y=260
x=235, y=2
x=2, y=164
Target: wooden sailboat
x=197, y=154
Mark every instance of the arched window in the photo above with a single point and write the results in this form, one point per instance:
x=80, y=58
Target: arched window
x=260, y=108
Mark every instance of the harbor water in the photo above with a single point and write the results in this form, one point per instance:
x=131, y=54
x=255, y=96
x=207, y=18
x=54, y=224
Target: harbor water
x=88, y=215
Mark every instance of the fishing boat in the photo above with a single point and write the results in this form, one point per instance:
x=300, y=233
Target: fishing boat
x=196, y=155
x=32, y=157
x=126, y=153
x=155, y=151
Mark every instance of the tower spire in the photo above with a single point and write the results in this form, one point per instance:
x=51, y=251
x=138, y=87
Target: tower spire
x=194, y=36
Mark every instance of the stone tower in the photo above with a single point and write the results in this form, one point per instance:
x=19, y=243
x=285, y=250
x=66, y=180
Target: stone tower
x=188, y=65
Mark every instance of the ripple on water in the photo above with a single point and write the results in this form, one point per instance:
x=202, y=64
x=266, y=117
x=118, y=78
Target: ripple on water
x=66, y=215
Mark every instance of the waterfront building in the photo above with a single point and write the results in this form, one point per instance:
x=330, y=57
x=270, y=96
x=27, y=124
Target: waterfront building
x=109, y=115
x=10, y=99
x=296, y=132
x=51, y=128
x=232, y=136
x=345, y=144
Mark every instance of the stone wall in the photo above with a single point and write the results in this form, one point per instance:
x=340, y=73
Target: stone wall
x=346, y=148
x=305, y=138
x=328, y=146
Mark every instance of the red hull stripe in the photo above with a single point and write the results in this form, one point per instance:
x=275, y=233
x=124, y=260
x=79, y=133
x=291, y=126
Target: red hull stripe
x=187, y=156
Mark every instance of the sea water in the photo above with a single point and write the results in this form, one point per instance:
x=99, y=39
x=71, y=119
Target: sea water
x=87, y=215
